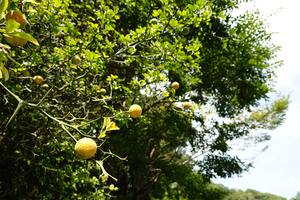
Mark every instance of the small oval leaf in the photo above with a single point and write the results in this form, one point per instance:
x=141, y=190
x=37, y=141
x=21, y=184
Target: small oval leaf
x=4, y=72
x=11, y=25
x=25, y=36
x=3, y=7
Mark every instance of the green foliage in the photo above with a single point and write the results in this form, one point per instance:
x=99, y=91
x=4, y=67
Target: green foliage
x=233, y=194
x=297, y=196
x=222, y=65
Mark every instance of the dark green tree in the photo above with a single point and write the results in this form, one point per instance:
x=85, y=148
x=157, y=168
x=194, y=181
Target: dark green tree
x=134, y=50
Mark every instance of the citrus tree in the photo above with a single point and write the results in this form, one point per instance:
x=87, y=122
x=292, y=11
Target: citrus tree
x=107, y=96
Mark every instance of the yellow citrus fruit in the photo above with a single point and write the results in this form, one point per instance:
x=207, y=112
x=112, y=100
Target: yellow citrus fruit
x=16, y=41
x=111, y=187
x=17, y=16
x=186, y=105
x=135, y=111
x=103, y=91
x=25, y=73
x=38, y=79
x=175, y=85
x=85, y=148
x=76, y=60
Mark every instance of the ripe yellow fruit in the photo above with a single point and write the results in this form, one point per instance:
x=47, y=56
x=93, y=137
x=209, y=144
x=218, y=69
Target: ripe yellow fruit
x=76, y=60
x=186, y=105
x=135, y=111
x=185, y=31
x=16, y=41
x=103, y=91
x=85, y=148
x=17, y=16
x=38, y=79
x=111, y=187
x=175, y=85
x=25, y=73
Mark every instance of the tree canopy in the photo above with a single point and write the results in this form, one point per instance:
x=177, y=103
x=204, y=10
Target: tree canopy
x=248, y=194
x=87, y=62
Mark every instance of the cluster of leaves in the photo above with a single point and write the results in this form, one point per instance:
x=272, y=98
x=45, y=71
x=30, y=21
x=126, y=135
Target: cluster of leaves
x=222, y=62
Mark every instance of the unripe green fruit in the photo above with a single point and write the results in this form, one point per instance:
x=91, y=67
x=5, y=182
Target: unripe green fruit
x=25, y=73
x=45, y=86
x=103, y=91
x=185, y=31
x=179, y=2
x=76, y=60
x=153, y=21
x=12, y=73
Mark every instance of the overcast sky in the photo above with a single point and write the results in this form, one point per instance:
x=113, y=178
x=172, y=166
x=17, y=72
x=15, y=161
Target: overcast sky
x=277, y=170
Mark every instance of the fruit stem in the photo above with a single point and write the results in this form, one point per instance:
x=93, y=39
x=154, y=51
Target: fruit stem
x=68, y=133
x=104, y=173
x=21, y=103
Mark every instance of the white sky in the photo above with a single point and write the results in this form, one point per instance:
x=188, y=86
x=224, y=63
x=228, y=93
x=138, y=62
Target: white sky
x=277, y=170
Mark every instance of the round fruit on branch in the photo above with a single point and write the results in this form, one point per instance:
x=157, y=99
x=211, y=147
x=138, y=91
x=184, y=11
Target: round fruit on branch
x=185, y=31
x=135, y=111
x=38, y=79
x=175, y=85
x=25, y=73
x=103, y=91
x=16, y=41
x=186, y=105
x=17, y=16
x=85, y=148
x=75, y=60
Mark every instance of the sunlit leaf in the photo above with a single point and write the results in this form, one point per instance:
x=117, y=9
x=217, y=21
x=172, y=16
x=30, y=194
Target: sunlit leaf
x=4, y=72
x=11, y=25
x=3, y=7
x=32, y=1
x=2, y=56
x=102, y=135
x=32, y=10
x=23, y=35
x=112, y=126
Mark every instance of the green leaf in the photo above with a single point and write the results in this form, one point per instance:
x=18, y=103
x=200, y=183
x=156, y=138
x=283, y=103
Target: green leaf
x=3, y=7
x=11, y=25
x=4, y=72
x=106, y=122
x=2, y=56
x=23, y=35
x=102, y=135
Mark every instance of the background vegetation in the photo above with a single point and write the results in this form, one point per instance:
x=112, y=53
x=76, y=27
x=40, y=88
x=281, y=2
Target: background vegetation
x=225, y=68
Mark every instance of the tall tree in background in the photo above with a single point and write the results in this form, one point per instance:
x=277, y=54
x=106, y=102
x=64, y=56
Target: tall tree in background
x=97, y=58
